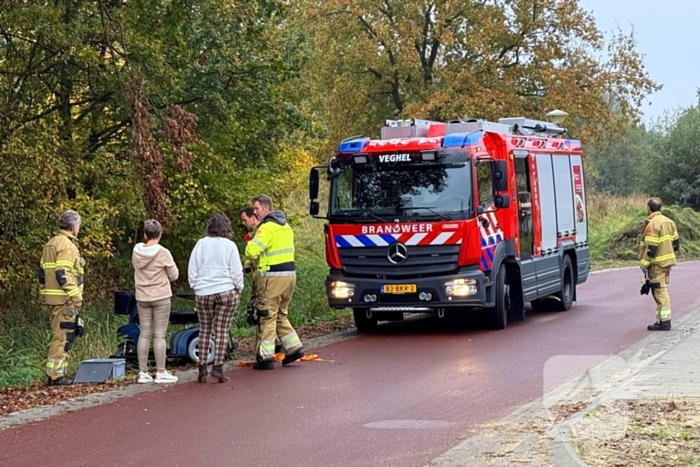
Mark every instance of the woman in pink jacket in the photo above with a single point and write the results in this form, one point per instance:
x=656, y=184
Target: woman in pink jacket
x=154, y=270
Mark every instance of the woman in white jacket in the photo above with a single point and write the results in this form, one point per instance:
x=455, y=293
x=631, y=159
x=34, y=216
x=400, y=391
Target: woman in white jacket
x=216, y=275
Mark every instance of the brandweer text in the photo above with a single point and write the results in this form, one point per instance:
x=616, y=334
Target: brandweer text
x=397, y=228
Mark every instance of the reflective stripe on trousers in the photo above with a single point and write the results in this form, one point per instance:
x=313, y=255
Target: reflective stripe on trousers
x=290, y=341
x=60, y=367
x=267, y=350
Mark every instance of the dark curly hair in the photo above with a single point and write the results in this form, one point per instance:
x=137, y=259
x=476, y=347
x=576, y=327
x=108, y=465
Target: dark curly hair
x=248, y=211
x=219, y=225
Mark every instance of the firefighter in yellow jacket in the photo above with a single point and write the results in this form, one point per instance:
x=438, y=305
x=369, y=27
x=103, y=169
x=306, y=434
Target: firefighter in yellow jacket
x=61, y=284
x=273, y=250
x=658, y=250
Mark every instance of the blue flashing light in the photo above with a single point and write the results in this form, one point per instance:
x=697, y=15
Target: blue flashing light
x=473, y=138
x=353, y=145
x=454, y=140
x=458, y=140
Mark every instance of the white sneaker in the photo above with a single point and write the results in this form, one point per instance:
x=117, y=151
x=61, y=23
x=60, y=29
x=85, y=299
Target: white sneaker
x=165, y=377
x=145, y=377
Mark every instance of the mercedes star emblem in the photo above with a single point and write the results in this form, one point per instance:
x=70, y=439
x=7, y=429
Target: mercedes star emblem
x=397, y=253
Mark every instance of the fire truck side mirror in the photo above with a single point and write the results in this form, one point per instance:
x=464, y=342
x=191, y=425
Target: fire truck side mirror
x=313, y=184
x=314, y=208
x=501, y=201
x=500, y=178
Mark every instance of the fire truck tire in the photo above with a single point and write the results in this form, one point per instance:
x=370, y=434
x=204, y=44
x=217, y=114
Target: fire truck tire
x=362, y=322
x=497, y=317
x=568, y=287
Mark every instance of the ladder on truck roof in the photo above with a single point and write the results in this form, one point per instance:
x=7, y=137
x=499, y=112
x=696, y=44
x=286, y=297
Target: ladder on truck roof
x=396, y=129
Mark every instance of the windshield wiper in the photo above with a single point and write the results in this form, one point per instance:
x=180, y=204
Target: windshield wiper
x=369, y=214
x=413, y=208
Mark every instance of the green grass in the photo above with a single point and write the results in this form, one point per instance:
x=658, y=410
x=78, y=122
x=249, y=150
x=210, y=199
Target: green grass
x=608, y=216
x=615, y=225
x=25, y=335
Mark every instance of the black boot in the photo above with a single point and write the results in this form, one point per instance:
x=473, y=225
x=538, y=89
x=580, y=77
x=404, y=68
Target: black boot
x=60, y=381
x=217, y=374
x=264, y=365
x=293, y=357
x=662, y=326
x=203, y=373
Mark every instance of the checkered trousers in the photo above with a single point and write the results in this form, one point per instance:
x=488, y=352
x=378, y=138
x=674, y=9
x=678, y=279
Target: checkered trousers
x=215, y=313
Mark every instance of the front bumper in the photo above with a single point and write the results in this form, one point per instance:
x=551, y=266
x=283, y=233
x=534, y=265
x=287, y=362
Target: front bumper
x=407, y=302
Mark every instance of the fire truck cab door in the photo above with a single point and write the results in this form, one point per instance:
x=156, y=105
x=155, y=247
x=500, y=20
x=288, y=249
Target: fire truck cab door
x=523, y=185
x=522, y=180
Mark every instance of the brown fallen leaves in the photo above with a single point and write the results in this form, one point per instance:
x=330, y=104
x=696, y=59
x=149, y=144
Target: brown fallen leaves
x=38, y=394
x=649, y=433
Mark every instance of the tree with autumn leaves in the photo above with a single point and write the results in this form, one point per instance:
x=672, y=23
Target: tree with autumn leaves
x=128, y=110
x=445, y=59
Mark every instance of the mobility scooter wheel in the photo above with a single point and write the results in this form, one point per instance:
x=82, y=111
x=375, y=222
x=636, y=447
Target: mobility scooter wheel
x=193, y=350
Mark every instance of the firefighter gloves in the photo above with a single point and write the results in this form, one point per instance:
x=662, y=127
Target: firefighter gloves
x=254, y=315
x=79, y=326
x=646, y=287
x=251, y=318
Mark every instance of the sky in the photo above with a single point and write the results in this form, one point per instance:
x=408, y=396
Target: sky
x=666, y=35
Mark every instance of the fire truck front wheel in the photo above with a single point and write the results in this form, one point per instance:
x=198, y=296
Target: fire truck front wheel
x=568, y=287
x=362, y=322
x=497, y=317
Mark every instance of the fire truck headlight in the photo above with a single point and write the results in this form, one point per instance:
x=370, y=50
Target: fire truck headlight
x=340, y=289
x=461, y=287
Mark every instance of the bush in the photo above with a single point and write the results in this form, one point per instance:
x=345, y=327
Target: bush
x=616, y=225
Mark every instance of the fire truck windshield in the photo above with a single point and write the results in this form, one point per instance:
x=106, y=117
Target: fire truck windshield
x=425, y=190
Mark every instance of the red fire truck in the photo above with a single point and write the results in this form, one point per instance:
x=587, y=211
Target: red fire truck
x=455, y=217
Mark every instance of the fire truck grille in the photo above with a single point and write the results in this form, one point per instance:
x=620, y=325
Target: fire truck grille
x=427, y=260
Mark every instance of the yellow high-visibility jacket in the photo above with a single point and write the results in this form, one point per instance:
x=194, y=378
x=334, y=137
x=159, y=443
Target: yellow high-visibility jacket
x=61, y=273
x=659, y=242
x=273, y=245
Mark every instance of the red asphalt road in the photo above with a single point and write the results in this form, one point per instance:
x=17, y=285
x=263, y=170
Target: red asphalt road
x=399, y=397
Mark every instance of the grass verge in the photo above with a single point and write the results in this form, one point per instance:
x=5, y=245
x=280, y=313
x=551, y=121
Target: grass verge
x=649, y=433
x=615, y=224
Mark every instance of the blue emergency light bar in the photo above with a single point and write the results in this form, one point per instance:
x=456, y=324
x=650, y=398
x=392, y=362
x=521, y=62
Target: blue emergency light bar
x=354, y=144
x=458, y=140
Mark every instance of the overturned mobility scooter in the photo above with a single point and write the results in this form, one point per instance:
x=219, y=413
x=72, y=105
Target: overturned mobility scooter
x=183, y=343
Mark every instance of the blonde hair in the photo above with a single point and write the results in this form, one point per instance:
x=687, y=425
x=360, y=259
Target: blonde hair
x=263, y=200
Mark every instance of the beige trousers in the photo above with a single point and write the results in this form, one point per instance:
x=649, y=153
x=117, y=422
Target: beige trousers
x=658, y=279
x=274, y=293
x=153, y=321
x=63, y=336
